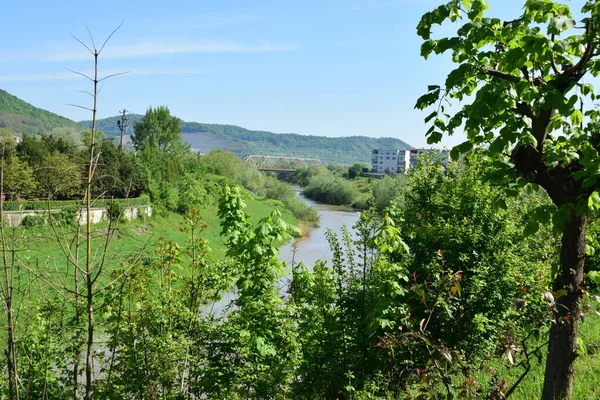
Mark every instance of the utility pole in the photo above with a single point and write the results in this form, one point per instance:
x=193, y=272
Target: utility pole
x=123, y=125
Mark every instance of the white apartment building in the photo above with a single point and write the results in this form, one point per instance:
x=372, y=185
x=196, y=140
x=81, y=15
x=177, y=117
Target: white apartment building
x=389, y=161
x=399, y=161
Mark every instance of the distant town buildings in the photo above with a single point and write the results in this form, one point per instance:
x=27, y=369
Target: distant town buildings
x=399, y=161
x=17, y=139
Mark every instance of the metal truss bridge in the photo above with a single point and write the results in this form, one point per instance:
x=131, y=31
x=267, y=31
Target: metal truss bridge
x=278, y=163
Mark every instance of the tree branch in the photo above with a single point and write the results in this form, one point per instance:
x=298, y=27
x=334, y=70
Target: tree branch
x=502, y=75
x=553, y=59
x=524, y=109
x=80, y=73
x=506, y=23
x=579, y=68
x=109, y=36
x=111, y=75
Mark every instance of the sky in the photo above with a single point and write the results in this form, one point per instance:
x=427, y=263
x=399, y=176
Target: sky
x=328, y=67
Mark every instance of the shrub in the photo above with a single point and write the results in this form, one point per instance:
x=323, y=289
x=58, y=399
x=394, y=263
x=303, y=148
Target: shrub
x=114, y=211
x=67, y=216
x=302, y=211
x=29, y=221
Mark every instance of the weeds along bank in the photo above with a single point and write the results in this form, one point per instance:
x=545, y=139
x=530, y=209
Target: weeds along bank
x=442, y=293
x=338, y=185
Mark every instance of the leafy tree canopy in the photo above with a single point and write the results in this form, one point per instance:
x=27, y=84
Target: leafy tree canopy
x=159, y=131
x=526, y=104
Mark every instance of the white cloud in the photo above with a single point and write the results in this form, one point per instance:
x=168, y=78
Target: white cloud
x=36, y=77
x=69, y=75
x=160, y=47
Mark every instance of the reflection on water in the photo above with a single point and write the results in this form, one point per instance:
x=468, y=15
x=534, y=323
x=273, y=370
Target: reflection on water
x=314, y=247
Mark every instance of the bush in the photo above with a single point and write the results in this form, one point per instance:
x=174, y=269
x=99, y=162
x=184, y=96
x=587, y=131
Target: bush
x=29, y=221
x=331, y=189
x=61, y=204
x=192, y=194
x=302, y=211
x=114, y=211
x=67, y=216
x=388, y=189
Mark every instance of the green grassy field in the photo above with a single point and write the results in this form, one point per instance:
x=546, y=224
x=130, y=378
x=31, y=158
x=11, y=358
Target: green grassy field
x=587, y=367
x=134, y=237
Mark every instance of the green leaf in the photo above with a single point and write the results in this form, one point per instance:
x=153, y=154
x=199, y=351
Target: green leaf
x=560, y=23
x=454, y=13
x=594, y=201
x=427, y=47
x=454, y=154
x=501, y=203
x=464, y=147
x=594, y=276
x=497, y=145
x=532, y=227
x=576, y=117
x=430, y=116
x=435, y=137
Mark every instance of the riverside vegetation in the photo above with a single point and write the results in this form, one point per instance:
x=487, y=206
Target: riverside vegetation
x=459, y=288
x=443, y=294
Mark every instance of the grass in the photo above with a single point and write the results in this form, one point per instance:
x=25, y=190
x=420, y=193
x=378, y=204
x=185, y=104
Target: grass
x=587, y=370
x=135, y=237
x=587, y=367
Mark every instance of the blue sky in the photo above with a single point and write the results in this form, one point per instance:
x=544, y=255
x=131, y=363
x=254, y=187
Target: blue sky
x=329, y=67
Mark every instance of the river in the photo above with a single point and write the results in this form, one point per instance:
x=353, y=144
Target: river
x=315, y=246
x=311, y=248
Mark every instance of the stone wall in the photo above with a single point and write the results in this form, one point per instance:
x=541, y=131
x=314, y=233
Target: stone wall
x=15, y=218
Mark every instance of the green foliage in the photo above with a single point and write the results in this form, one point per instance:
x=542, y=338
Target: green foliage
x=114, y=211
x=61, y=204
x=328, y=188
x=388, y=189
x=192, y=194
x=224, y=163
x=355, y=170
x=256, y=350
x=67, y=216
x=30, y=221
x=454, y=213
x=19, y=180
x=527, y=107
x=118, y=173
x=161, y=149
x=23, y=118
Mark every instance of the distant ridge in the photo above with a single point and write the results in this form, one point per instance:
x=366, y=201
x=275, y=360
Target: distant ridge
x=242, y=141
x=21, y=117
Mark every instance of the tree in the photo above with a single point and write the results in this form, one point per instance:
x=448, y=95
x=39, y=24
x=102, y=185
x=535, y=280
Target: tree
x=18, y=179
x=159, y=144
x=524, y=102
x=158, y=131
x=355, y=170
x=60, y=177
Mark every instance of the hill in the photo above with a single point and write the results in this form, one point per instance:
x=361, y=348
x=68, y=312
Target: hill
x=241, y=141
x=21, y=117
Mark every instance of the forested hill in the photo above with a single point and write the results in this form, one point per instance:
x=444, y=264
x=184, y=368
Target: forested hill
x=204, y=137
x=21, y=117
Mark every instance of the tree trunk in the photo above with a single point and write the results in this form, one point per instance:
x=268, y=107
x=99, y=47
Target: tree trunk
x=89, y=362
x=562, y=348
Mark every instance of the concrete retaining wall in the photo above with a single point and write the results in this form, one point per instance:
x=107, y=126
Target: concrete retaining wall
x=15, y=218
